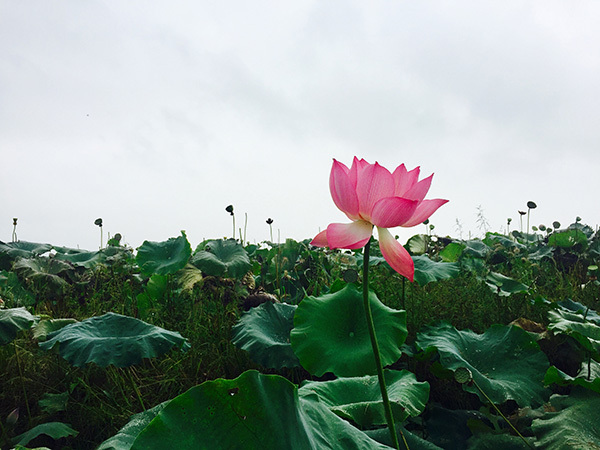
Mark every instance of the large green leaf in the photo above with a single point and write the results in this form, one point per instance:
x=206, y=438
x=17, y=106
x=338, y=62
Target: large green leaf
x=20, y=249
x=452, y=252
x=359, y=399
x=330, y=333
x=586, y=331
x=567, y=239
x=12, y=289
x=264, y=332
x=46, y=326
x=112, y=339
x=225, y=258
x=44, y=272
x=252, y=412
x=123, y=440
x=588, y=377
x=164, y=258
x=13, y=320
x=55, y=430
x=427, y=270
x=572, y=424
x=504, y=286
x=505, y=361
x=414, y=442
x=90, y=259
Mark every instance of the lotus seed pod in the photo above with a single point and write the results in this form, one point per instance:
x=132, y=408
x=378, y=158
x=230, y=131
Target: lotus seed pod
x=269, y=221
x=531, y=205
x=463, y=375
x=98, y=222
x=556, y=224
x=229, y=209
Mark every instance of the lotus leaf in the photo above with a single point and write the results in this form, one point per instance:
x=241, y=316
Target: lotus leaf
x=12, y=288
x=494, y=441
x=164, y=258
x=427, y=270
x=452, y=252
x=112, y=339
x=44, y=272
x=46, y=326
x=251, y=412
x=55, y=430
x=476, y=248
x=567, y=239
x=417, y=244
x=585, y=331
x=188, y=277
x=588, y=377
x=225, y=258
x=414, y=442
x=572, y=424
x=123, y=440
x=504, y=286
x=264, y=332
x=330, y=333
x=359, y=399
x=20, y=249
x=12, y=320
x=91, y=259
x=505, y=361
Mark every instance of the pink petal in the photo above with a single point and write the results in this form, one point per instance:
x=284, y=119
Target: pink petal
x=357, y=167
x=404, y=180
x=374, y=183
x=349, y=235
x=320, y=240
x=419, y=190
x=395, y=254
x=342, y=191
x=425, y=209
x=392, y=212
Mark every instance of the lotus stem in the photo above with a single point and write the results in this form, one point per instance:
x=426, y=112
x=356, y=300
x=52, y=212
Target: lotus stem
x=389, y=417
x=500, y=412
x=22, y=384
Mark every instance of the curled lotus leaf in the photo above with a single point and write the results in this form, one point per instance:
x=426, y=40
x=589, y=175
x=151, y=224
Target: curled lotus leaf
x=13, y=320
x=226, y=258
x=112, y=339
x=427, y=270
x=330, y=333
x=359, y=398
x=264, y=332
x=164, y=258
x=504, y=361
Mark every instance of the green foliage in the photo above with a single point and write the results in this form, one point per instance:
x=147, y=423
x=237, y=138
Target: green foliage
x=492, y=357
x=358, y=399
x=112, y=339
x=264, y=332
x=226, y=258
x=427, y=271
x=55, y=430
x=164, y=258
x=13, y=320
x=253, y=411
x=572, y=422
x=330, y=333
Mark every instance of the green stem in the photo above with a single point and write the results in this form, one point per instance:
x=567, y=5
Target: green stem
x=389, y=417
x=23, y=384
x=500, y=412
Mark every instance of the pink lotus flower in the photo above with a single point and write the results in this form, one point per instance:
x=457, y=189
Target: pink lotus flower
x=372, y=196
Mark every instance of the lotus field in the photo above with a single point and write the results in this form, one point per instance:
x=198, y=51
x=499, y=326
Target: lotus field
x=346, y=340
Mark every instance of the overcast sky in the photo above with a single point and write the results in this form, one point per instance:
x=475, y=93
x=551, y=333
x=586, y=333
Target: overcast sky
x=156, y=115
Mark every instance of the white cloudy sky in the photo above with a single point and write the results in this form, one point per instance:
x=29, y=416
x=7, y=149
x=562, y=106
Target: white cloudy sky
x=157, y=115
